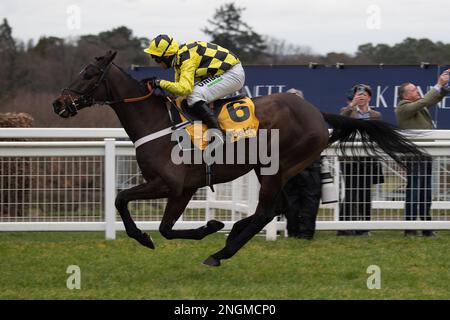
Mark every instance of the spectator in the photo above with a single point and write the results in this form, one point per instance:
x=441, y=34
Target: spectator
x=412, y=113
x=359, y=173
x=303, y=192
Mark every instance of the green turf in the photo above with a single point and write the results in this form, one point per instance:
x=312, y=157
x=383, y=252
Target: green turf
x=33, y=266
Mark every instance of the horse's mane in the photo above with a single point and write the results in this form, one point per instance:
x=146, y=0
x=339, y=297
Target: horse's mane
x=142, y=88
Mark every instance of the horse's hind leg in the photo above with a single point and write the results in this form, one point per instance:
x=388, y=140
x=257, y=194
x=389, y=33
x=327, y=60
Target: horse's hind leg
x=152, y=190
x=175, y=207
x=269, y=194
x=243, y=223
x=238, y=227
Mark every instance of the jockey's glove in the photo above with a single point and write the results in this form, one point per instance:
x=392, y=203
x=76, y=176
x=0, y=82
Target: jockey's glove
x=154, y=82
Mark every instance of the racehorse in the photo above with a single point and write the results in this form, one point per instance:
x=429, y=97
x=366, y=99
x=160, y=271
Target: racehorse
x=303, y=135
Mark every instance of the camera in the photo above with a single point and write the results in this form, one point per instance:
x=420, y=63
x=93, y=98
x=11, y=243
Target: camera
x=446, y=87
x=360, y=90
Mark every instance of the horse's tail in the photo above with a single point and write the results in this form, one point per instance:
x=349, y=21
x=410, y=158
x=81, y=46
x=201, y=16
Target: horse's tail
x=386, y=136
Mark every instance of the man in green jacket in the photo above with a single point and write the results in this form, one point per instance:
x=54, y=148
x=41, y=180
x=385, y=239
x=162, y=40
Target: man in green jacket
x=412, y=110
x=412, y=113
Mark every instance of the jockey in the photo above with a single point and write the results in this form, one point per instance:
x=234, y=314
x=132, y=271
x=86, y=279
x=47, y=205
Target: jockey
x=204, y=72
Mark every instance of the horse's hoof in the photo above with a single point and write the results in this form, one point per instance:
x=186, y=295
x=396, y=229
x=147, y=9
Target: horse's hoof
x=212, y=262
x=214, y=226
x=147, y=241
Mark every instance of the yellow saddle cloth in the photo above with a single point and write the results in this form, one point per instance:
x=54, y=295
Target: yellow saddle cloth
x=236, y=118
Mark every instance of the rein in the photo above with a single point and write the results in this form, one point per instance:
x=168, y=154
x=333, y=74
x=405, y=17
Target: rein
x=85, y=99
x=143, y=98
x=130, y=100
x=124, y=100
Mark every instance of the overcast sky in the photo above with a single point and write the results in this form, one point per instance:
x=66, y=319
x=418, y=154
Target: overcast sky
x=323, y=25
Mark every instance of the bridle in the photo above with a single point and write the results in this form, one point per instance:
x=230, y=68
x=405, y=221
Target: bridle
x=86, y=99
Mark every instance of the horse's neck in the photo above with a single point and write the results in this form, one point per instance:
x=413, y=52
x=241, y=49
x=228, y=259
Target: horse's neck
x=142, y=118
x=139, y=118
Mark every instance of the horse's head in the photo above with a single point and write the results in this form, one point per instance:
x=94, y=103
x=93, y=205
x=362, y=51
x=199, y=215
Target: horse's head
x=86, y=88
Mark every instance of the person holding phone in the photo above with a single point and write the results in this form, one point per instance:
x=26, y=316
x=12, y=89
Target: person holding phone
x=413, y=113
x=359, y=173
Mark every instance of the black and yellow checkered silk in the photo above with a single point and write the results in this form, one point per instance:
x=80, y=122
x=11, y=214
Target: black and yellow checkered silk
x=215, y=59
x=196, y=61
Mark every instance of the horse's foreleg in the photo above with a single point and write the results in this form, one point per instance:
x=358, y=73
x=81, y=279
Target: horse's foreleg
x=175, y=207
x=151, y=190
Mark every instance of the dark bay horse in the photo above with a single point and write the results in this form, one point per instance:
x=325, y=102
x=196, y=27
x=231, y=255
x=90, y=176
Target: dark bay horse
x=303, y=135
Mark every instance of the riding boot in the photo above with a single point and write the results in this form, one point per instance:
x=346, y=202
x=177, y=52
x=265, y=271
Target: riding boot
x=208, y=117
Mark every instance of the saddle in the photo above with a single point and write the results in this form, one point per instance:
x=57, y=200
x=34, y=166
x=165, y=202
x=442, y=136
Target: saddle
x=236, y=116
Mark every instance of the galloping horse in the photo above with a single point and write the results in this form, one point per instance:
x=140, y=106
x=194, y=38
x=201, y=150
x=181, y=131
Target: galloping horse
x=303, y=135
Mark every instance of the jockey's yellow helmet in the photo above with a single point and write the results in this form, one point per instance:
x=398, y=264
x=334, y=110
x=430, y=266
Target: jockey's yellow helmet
x=162, y=46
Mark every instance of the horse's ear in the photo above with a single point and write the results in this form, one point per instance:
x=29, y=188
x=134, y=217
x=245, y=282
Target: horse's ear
x=111, y=55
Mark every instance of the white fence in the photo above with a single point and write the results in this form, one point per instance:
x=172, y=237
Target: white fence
x=66, y=184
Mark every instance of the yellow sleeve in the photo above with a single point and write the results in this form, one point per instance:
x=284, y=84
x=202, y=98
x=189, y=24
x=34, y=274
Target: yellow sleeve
x=185, y=84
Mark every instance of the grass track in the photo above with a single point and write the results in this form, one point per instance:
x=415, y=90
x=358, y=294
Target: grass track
x=33, y=266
